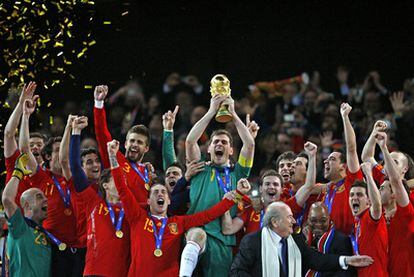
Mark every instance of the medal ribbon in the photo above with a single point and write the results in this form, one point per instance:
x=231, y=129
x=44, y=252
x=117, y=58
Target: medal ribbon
x=33, y=224
x=261, y=218
x=225, y=187
x=329, y=198
x=354, y=236
x=158, y=235
x=145, y=176
x=65, y=198
x=117, y=224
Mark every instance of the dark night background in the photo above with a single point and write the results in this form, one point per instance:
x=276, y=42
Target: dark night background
x=250, y=42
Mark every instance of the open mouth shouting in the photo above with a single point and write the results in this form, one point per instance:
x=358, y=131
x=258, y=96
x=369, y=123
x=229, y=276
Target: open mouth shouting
x=160, y=202
x=44, y=207
x=286, y=174
x=272, y=195
x=355, y=207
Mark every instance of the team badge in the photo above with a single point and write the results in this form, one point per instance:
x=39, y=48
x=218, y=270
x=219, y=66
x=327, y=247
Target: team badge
x=173, y=228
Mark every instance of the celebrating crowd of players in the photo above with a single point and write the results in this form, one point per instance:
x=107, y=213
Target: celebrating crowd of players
x=101, y=212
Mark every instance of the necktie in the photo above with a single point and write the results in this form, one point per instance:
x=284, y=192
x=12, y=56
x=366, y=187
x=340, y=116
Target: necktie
x=283, y=255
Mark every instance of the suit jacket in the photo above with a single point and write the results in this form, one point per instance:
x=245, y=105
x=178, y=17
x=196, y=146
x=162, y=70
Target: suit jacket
x=340, y=245
x=248, y=261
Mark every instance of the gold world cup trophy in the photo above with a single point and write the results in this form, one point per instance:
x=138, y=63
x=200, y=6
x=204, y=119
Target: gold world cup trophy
x=220, y=84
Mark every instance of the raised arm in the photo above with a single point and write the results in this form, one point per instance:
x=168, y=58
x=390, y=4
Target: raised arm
x=24, y=145
x=130, y=205
x=10, y=145
x=229, y=225
x=305, y=191
x=373, y=193
x=247, y=150
x=103, y=136
x=168, y=151
x=10, y=191
x=64, y=148
x=352, y=161
x=368, y=151
x=397, y=186
x=192, y=150
x=80, y=180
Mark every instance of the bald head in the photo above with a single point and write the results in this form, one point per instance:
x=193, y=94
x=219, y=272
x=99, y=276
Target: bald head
x=279, y=218
x=34, y=203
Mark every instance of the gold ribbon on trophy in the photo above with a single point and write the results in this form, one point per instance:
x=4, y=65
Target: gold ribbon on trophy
x=220, y=84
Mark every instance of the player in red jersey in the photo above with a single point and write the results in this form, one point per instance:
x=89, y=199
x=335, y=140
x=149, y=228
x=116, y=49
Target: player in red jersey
x=342, y=170
x=157, y=238
x=61, y=220
x=399, y=215
x=36, y=140
x=403, y=162
x=370, y=236
x=271, y=190
x=284, y=166
x=136, y=145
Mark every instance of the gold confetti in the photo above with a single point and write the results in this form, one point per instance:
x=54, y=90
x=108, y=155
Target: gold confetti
x=88, y=86
x=125, y=13
x=107, y=23
x=51, y=120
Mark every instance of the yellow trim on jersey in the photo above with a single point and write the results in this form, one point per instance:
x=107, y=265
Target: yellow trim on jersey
x=244, y=162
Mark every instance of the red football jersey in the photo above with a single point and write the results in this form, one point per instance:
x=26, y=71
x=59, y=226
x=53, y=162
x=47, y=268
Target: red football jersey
x=106, y=255
x=252, y=219
x=372, y=241
x=378, y=173
x=401, y=242
x=341, y=213
x=134, y=181
x=143, y=260
x=60, y=223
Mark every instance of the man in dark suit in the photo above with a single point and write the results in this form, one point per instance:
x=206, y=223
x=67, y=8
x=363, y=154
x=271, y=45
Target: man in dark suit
x=320, y=233
x=274, y=251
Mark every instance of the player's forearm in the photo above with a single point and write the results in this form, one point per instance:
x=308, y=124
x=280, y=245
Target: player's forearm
x=368, y=151
x=374, y=197
x=351, y=150
x=305, y=191
x=78, y=175
x=9, y=195
x=13, y=122
x=168, y=151
x=245, y=135
x=198, y=129
x=64, y=152
x=24, y=144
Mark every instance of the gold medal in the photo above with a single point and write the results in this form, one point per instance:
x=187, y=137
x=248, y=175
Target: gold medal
x=62, y=246
x=67, y=212
x=147, y=186
x=157, y=252
x=119, y=234
x=298, y=229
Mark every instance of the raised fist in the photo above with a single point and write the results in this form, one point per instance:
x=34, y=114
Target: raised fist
x=100, y=92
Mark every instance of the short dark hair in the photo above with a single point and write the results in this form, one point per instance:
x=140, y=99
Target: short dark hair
x=89, y=150
x=104, y=178
x=342, y=157
x=38, y=135
x=140, y=130
x=48, y=148
x=270, y=172
x=158, y=181
x=360, y=184
x=221, y=132
x=176, y=164
x=288, y=155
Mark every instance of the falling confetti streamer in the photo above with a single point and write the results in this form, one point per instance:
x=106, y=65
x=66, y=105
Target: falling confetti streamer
x=43, y=39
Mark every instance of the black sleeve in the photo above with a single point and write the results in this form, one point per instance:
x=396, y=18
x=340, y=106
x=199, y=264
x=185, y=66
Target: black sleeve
x=315, y=260
x=243, y=262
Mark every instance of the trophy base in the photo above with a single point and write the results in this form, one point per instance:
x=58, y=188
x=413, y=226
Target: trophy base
x=223, y=118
